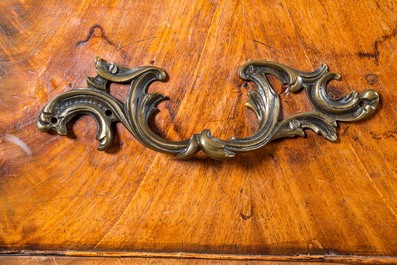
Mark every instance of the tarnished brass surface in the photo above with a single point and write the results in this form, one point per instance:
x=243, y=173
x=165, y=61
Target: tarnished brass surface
x=140, y=106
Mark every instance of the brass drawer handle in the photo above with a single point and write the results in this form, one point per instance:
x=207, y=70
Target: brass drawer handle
x=140, y=106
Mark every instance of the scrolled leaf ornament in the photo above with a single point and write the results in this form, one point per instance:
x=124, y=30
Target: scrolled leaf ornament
x=140, y=107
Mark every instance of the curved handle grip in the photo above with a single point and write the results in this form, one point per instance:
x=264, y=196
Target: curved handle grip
x=140, y=106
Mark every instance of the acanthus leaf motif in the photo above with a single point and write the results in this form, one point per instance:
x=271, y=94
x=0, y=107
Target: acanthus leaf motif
x=140, y=107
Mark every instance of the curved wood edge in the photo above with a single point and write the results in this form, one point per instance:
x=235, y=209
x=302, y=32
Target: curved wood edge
x=349, y=259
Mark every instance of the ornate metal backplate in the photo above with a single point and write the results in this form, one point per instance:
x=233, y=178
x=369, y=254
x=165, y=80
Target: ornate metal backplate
x=140, y=107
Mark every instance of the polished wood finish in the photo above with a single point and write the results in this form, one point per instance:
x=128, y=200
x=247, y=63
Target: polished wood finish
x=118, y=261
x=295, y=196
x=184, y=257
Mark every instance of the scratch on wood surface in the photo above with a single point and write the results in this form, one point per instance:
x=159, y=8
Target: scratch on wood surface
x=268, y=46
x=17, y=141
x=3, y=73
x=246, y=210
x=345, y=130
x=246, y=207
x=135, y=42
x=54, y=261
x=373, y=183
x=86, y=195
x=384, y=135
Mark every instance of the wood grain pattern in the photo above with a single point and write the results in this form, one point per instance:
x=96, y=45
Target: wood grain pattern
x=184, y=257
x=295, y=196
x=117, y=261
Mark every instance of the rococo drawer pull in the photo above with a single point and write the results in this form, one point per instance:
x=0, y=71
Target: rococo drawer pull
x=140, y=107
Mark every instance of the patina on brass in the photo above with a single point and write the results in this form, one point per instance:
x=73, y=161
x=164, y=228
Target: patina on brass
x=139, y=108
